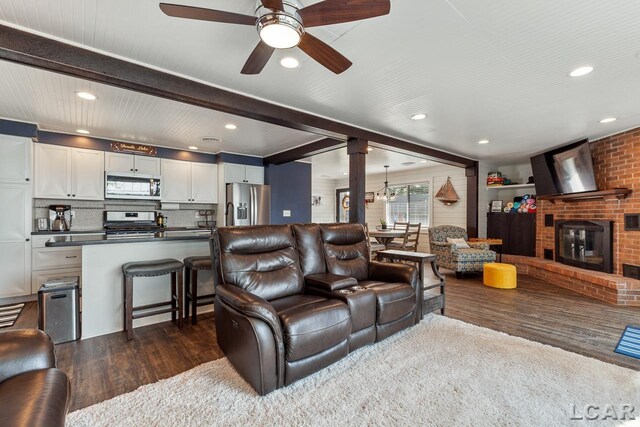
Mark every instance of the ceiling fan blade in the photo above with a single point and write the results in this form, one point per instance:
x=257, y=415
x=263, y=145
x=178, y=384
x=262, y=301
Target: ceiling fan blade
x=324, y=54
x=273, y=4
x=338, y=11
x=258, y=59
x=202, y=14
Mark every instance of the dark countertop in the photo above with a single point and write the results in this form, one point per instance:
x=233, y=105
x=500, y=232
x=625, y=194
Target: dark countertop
x=81, y=240
x=101, y=231
x=53, y=233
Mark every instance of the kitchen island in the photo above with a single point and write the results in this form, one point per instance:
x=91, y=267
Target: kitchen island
x=102, y=288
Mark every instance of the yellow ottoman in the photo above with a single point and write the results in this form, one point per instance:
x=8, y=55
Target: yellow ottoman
x=498, y=275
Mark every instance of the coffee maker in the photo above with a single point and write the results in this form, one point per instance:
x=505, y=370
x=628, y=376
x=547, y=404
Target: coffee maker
x=59, y=217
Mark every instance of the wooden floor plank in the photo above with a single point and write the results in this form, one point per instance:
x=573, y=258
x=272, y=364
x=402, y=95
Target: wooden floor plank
x=106, y=366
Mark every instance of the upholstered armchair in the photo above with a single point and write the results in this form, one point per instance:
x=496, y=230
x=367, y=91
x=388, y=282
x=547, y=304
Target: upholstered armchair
x=449, y=256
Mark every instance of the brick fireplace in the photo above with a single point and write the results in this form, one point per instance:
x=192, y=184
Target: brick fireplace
x=616, y=165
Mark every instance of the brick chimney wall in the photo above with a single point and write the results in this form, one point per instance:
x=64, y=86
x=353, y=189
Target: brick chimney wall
x=616, y=161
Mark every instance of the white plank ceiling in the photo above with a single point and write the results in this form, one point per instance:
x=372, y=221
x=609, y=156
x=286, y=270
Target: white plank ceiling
x=335, y=164
x=49, y=99
x=494, y=69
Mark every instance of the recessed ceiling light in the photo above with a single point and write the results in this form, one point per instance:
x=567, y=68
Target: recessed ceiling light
x=582, y=71
x=87, y=96
x=369, y=148
x=289, y=62
x=608, y=120
x=193, y=147
x=230, y=126
x=419, y=116
x=423, y=161
x=83, y=131
x=483, y=141
x=345, y=173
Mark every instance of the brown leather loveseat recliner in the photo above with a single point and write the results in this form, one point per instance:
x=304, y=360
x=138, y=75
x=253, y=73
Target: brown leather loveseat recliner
x=293, y=299
x=32, y=391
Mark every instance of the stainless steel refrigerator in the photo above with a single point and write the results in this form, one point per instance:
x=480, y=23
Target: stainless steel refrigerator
x=248, y=204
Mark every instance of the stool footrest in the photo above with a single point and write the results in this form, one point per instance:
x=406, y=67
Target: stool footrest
x=148, y=306
x=153, y=313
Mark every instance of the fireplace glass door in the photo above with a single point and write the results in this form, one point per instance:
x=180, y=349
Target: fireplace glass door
x=585, y=244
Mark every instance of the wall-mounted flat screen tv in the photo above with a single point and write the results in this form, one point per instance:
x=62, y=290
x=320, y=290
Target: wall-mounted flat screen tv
x=564, y=170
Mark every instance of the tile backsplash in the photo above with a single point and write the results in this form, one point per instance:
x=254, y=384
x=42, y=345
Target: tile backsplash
x=89, y=214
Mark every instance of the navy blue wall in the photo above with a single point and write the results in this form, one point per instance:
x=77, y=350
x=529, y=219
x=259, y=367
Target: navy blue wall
x=240, y=159
x=9, y=127
x=290, y=189
x=105, y=145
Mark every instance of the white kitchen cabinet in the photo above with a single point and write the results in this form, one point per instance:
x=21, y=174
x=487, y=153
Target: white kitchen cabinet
x=130, y=163
x=17, y=213
x=52, y=172
x=15, y=240
x=87, y=174
x=204, y=183
x=68, y=173
x=15, y=162
x=241, y=173
x=118, y=162
x=254, y=175
x=187, y=182
x=176, y=181
x=14, y=264
x=147, y=165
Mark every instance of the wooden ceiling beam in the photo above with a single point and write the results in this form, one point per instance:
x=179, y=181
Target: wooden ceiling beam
x=307, y=150
x=41, y=52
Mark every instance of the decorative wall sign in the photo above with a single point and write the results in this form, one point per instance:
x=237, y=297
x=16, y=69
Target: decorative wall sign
x=129, y=147
x=496, y=206
x=369, y=197
x=316, y=200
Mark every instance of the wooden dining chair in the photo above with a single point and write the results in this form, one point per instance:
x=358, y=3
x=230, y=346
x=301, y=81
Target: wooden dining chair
x=411, y=237
x=374, y=246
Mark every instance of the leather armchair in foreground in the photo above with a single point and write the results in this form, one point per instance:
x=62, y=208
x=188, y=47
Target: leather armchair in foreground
x=291, y=300
x=32, y=391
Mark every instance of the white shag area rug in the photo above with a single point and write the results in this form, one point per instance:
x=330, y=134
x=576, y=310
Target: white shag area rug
x=440, y=372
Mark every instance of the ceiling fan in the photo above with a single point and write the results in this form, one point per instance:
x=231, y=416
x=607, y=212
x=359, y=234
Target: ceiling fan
x=282, y=24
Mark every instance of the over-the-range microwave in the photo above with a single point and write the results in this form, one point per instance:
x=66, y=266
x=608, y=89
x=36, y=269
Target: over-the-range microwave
x=122, y=185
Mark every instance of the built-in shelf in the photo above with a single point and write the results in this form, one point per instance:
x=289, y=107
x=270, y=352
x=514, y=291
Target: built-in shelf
x=505, y=187
x=614, y=194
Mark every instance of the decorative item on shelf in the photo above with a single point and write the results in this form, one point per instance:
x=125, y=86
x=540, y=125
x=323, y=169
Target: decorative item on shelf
x=385, y=193
x=496, y=206
x=494, y=174
x=316, y=200
x=507, y=209
x=447, y=194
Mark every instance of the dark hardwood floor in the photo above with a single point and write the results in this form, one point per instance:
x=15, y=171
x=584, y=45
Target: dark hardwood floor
x=107, y=366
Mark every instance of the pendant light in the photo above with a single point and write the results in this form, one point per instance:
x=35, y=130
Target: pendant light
x=385, y=193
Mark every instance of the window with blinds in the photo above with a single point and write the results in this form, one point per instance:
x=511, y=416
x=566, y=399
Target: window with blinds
x=411, y=204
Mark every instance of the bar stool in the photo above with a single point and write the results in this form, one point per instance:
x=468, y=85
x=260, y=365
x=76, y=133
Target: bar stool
x=192, y=264
x=150, y=269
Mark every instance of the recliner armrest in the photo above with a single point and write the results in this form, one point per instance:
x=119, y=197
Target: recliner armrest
x=390, y=272
x=24, y=350
x=250, y=305
x=329, y=281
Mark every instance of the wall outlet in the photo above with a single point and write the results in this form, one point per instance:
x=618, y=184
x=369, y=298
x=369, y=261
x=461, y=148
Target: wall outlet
x=286, y=213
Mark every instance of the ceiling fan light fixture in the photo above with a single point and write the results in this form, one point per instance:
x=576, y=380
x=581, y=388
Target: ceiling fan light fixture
x=280, y=30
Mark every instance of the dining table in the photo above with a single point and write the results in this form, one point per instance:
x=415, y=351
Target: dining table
x=385, y=237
